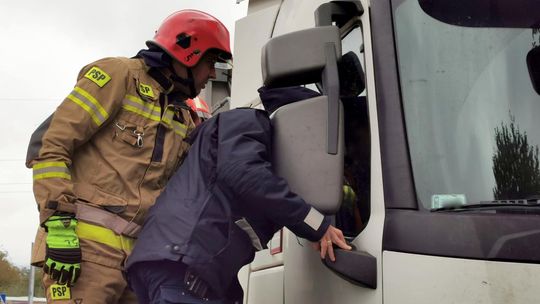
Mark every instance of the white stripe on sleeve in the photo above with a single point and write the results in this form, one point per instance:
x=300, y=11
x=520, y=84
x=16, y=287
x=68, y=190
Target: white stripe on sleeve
x=314, y=219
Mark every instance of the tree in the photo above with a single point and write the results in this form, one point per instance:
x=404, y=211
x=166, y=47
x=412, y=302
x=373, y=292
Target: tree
x=515, y=164
x=9, y=274
x=14, y=280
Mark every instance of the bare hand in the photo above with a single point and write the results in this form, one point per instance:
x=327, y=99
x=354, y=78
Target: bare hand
x=332, y=236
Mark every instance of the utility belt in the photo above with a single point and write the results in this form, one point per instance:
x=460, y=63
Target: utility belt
x=197, y=286
x=101, y=226
x=175, y=273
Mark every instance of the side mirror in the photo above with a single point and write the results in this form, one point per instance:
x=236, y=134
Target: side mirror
x=533, y=63
x=300, y=156
x=308, y=147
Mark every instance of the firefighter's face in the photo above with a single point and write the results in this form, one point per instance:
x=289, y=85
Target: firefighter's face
x=202, y=72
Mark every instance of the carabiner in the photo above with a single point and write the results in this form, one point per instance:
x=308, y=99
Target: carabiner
x=139, y=138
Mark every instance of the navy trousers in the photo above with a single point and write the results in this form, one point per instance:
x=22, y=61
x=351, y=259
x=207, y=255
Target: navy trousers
x=161, y=282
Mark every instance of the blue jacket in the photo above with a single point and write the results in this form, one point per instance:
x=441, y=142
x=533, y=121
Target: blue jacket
x=227, y=176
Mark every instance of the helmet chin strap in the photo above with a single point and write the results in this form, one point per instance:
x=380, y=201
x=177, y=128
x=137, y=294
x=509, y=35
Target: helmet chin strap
x=188, y=82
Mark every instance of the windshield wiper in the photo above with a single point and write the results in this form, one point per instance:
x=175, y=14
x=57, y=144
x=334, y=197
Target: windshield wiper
x=492, y=205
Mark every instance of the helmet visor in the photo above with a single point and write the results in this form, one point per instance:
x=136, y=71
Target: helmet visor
x=222, y=60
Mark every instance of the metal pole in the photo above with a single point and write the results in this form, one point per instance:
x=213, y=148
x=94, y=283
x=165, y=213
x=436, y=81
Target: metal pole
x=31, y=279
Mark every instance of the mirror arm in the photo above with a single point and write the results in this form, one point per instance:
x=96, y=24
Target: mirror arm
x=337, y=11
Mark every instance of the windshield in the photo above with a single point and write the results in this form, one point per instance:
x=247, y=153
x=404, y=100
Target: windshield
x=472, y=115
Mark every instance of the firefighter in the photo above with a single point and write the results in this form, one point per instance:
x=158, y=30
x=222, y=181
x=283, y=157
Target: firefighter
x=222, y=205
x=200, y=108
x=102, y=158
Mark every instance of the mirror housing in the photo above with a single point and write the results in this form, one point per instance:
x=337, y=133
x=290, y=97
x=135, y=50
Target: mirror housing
x=298, y=58
x=300, y=155
x=308, y=141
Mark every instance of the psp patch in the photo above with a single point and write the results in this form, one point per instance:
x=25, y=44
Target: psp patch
x=98, y=76
x=60, y=292
x=146, y=90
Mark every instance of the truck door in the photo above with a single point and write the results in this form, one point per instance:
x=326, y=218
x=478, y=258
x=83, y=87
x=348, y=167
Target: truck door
x=453, y=194
x=355, y=278
x=291, y=271
x=454, y=95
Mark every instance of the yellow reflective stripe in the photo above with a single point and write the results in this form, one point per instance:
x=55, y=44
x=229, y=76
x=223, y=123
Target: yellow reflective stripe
x=168, y=116
x=89, y=104
x=178, y=127
x=52, y=175
x=49, y=164
x=104, y=236
x=93, y=101
x=51, y=170
x=145, y=109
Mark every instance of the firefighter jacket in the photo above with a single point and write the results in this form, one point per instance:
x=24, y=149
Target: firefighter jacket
x=112, y=144
x=224, y=203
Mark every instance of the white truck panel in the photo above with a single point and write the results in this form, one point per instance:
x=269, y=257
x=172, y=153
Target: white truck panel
x=252, y=32
x=266, y=286
x=296, y=15
x=307, y=280
x=265, y=259
x=409, y=278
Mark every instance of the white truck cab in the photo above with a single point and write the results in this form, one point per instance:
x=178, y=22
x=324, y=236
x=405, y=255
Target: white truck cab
x=436, y=130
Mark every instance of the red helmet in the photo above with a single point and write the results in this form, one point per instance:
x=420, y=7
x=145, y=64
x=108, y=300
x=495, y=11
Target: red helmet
x=187, y=35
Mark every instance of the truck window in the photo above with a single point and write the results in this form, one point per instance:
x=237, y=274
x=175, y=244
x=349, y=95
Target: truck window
x=354, y=212
x=470, y=109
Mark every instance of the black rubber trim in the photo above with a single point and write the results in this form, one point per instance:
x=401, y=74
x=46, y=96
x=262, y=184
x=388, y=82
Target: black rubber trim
x=485, y=236
x=157, y=154
x=399, y=191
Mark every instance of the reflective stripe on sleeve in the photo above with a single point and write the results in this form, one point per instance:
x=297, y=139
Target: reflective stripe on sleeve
x=139, y=107
x=51, y=170
x=178, y=127
x=246, y=226
x=89, y=104
x=314, y=219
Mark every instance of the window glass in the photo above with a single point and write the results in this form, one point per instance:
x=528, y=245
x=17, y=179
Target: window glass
x=471, y=112
x=355, y=207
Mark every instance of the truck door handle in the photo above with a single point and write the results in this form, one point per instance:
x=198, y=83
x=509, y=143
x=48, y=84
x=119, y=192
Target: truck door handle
x=357, y=267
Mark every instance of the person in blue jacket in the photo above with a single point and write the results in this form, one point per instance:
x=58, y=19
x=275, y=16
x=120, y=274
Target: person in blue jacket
x=223, y=204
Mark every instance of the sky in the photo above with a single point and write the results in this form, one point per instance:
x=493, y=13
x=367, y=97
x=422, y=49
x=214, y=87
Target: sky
x=44, y=45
